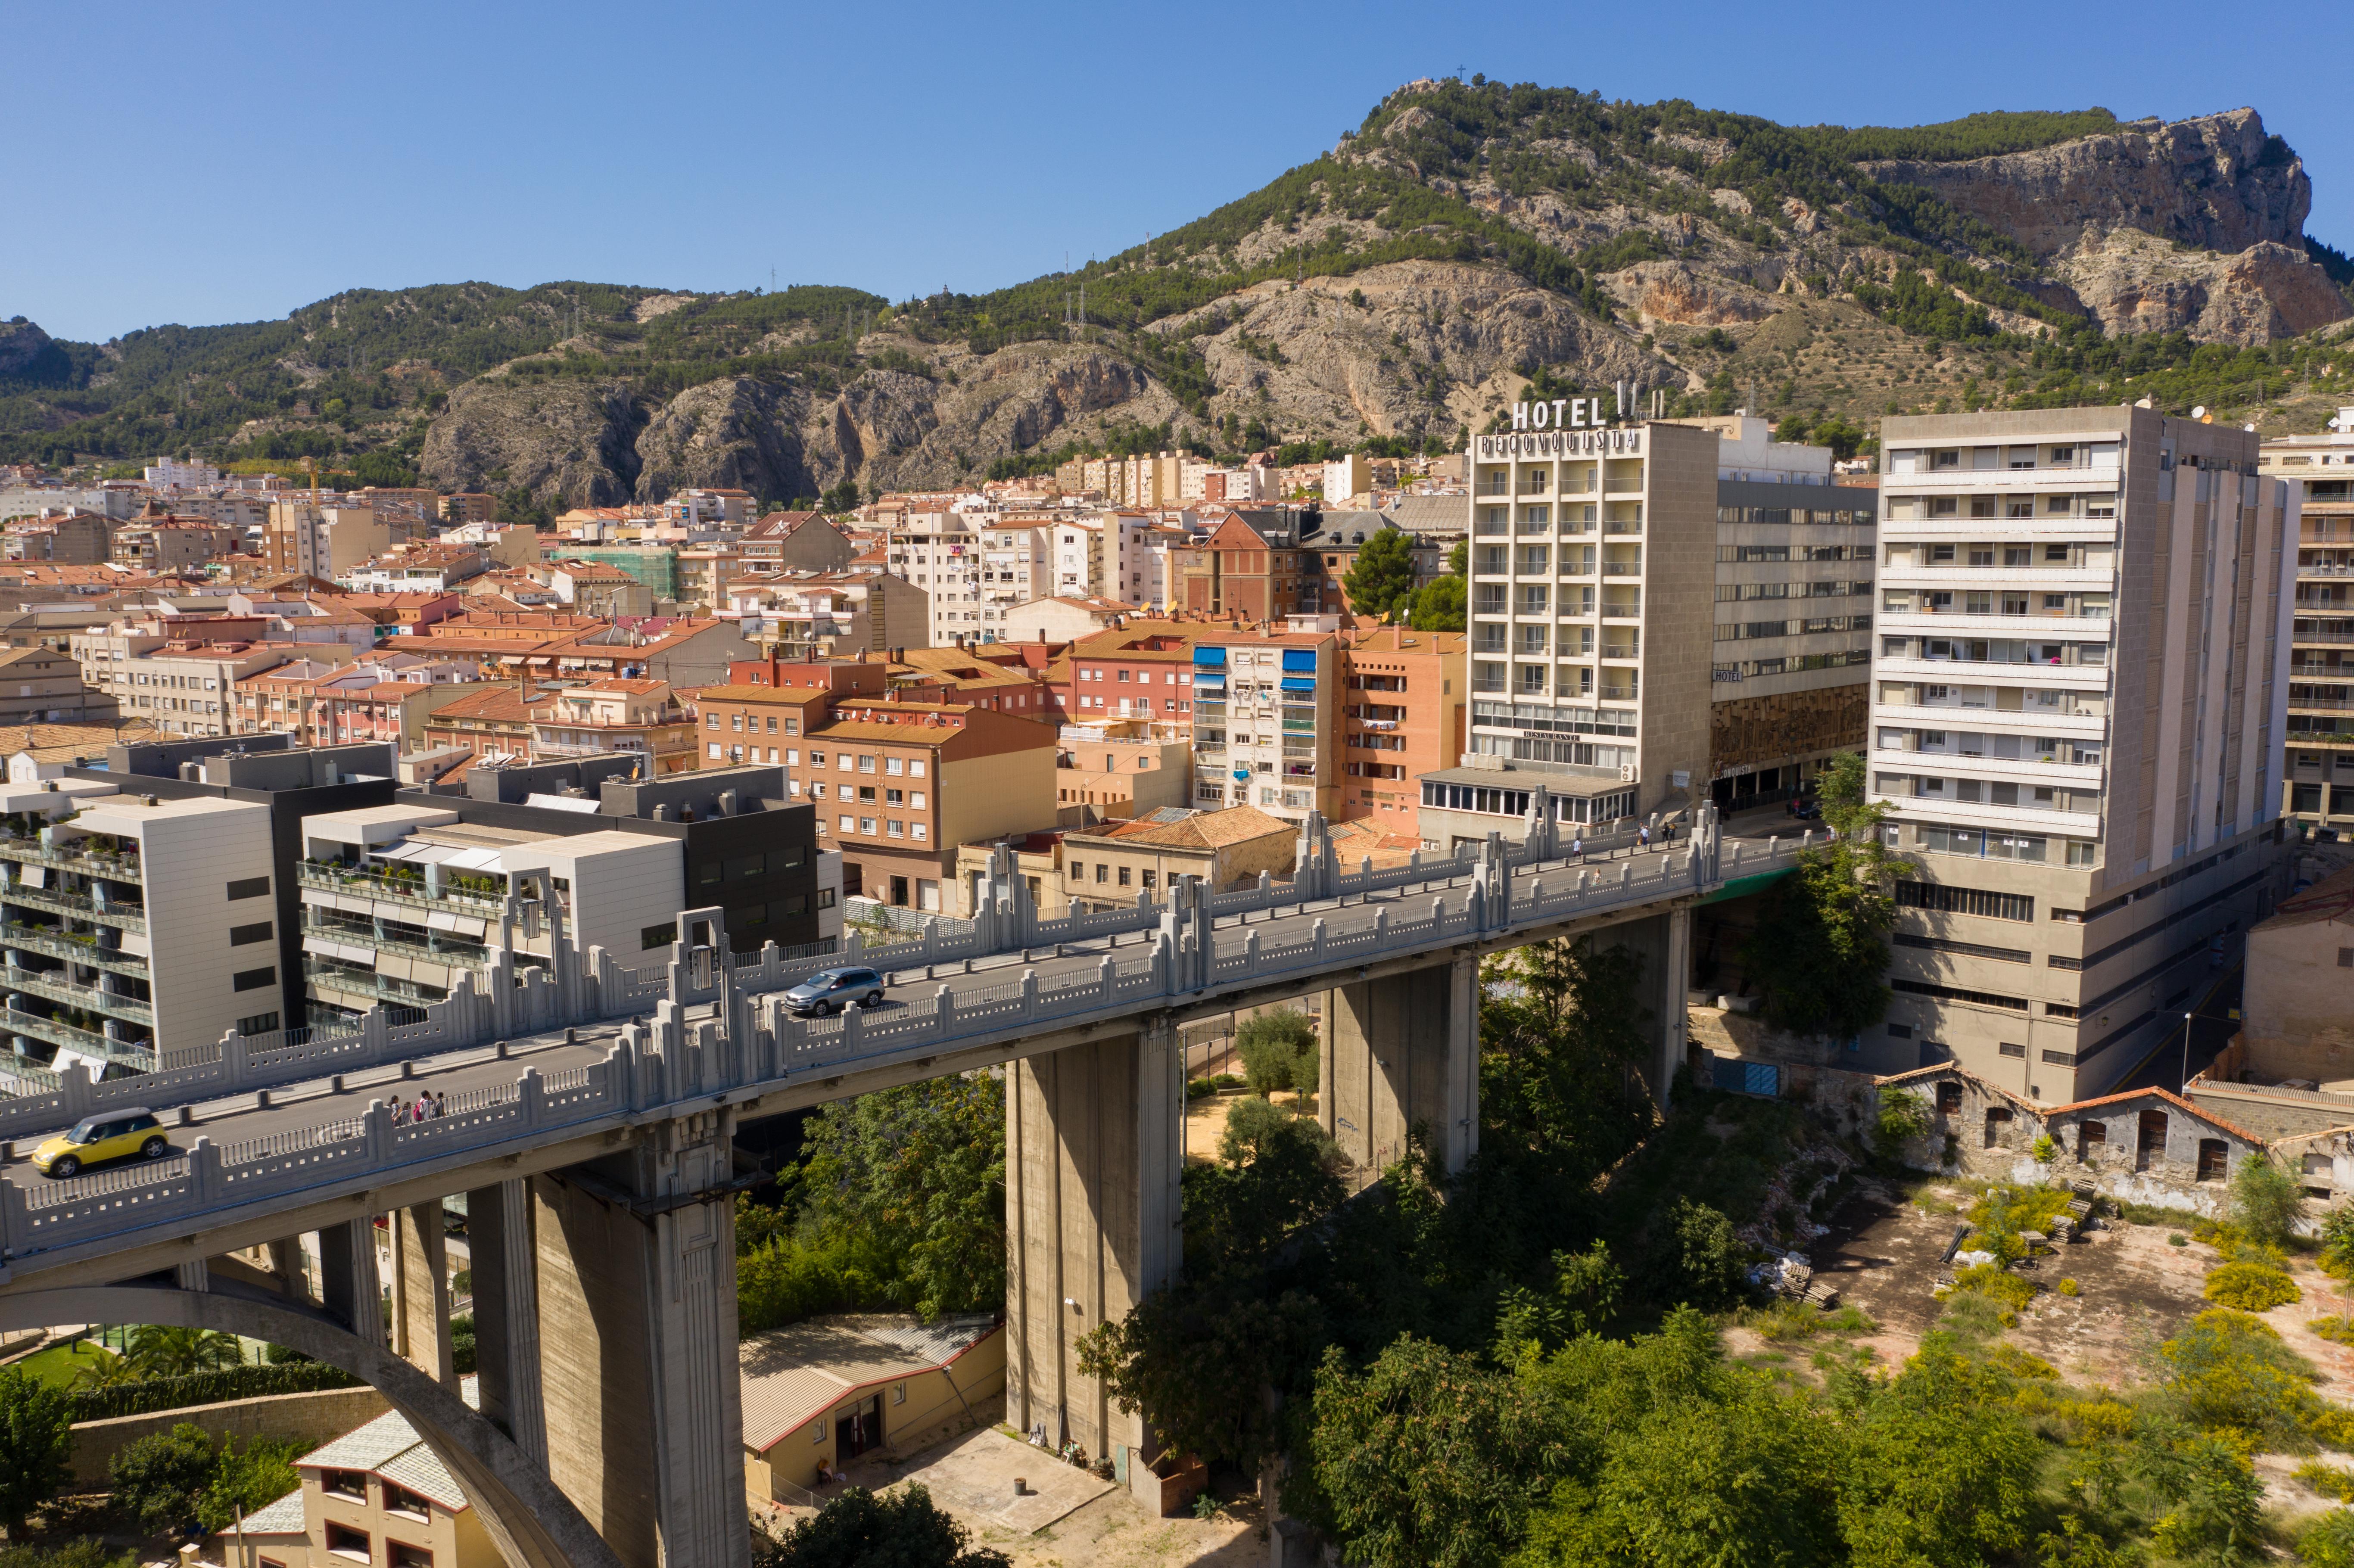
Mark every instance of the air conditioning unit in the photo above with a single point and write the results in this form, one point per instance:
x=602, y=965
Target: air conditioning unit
x=1625, y=773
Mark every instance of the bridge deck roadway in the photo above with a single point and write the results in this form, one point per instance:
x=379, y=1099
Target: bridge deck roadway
x=321, y=1102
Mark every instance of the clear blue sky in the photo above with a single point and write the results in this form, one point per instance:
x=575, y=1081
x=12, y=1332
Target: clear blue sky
x=229, y=162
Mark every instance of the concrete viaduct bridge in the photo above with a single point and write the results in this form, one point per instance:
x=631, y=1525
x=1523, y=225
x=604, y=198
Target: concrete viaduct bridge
x=589, y=1122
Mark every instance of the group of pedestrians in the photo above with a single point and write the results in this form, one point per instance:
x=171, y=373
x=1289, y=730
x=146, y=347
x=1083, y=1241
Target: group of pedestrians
x=427, y=1106
x=1642, y=840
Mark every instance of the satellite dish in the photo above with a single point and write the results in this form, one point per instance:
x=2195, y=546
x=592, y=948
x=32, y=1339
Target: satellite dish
x=2200, y=412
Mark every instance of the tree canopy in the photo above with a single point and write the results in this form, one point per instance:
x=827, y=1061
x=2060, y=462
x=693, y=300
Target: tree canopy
x=1381, y=581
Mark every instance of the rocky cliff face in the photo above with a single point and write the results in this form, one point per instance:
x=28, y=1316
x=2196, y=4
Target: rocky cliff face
x=571, y=443
x=735, y=434
x=22, y=344
x=2131, y=281
x=2218, y=182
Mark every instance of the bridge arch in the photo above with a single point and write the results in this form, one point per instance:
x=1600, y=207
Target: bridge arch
x=527, y=1515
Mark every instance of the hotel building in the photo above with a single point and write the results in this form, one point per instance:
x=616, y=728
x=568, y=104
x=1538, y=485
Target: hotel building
x=1633, y=646
x=2077, y=706
x=2319, y=472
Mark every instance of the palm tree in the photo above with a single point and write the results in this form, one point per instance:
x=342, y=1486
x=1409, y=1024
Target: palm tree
x=158, y=1350
x=105, y=1369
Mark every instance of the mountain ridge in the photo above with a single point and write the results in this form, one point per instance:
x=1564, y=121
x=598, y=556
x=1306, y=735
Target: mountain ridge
x=1396, y=289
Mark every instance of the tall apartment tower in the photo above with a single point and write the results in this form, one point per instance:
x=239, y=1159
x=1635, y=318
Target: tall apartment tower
x=2077, y=716
x=2319, y=472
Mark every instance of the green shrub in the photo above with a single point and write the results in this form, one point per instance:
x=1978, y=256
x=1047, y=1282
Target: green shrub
x=1998, y=1285
x=86, y=1552
x=2327, y=1541
x=155, y=1393
x=2227, y=1369
x=2337, y=1330
x=2070, y=1287
x=2044, y=1149
x=36, y=1443
x=2327, y=1480
x=1904, y=1116
x=2265, y=1200
x=2251, y=1287
x=162, y=1477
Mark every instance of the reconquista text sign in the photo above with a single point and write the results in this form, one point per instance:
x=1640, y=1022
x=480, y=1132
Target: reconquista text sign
x=1622, y=441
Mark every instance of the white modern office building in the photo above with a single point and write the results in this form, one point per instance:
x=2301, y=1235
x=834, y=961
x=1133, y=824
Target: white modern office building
x=2077, y=717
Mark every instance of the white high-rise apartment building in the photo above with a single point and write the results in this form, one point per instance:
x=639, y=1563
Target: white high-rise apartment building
x=2077, y=716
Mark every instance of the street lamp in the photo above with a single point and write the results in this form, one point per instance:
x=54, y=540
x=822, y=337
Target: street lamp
x=2186, y=1050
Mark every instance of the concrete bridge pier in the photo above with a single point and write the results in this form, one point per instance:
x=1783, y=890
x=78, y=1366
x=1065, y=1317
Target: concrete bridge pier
x=1403, y=1051
x=506, y=1313
x=1093, y=1152
x=420, y=1292
x=636, y=1322
x=1664, y=942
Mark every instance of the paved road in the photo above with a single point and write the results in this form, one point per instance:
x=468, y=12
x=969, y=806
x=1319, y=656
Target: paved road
x=244, y=1117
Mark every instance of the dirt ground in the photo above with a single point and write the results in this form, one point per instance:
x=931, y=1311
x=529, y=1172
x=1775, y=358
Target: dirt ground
x=2136, y=1288
x=1205, y=1119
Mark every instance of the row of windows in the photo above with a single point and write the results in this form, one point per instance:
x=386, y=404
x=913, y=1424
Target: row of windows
x=1742, y=630
x=1788, y=516
x=1734, y=555
x=1981, y=843
x=1996, y=651
x=891, y=828
x=1736, y=593
x=739, y=721
x=893, y=766
x=1789, y=665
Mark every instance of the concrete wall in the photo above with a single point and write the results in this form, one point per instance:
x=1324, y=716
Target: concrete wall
x=314, y=1417
x=2299, y=1002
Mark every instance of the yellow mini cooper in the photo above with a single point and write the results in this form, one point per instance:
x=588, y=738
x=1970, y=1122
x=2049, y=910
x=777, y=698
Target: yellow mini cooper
x=118, y=1134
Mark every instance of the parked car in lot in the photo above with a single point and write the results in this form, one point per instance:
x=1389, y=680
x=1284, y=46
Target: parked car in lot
x=130, y=1133
x=830, y=990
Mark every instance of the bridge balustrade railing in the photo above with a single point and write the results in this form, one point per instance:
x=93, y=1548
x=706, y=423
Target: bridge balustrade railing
x=505, y=1113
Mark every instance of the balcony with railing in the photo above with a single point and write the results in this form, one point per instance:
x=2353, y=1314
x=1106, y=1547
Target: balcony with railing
x=115, y=865
x=434, y=947
x=366, y=987
x=54, y=942
x=1632, y=648
x=1622, y=566
x=1620, y=692
x=58, y=986
x=130, y=916
x=136, y=1052
x=404, y=884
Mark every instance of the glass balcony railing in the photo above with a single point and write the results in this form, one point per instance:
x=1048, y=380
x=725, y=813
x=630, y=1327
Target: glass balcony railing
x=53, y=985
x=116, y=867
x=456, y=888
x=129, y=917
x=433, y=947
x=52, y=942
x=139, y=1052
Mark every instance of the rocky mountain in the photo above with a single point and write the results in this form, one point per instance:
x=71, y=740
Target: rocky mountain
x=1399, y=289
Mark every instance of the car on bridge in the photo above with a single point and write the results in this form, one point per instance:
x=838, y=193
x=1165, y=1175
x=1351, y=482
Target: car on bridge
x=830, y=990
x=132, y=1133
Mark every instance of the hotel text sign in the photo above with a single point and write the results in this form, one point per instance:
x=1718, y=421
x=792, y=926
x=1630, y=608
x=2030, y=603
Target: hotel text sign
x=1559, y=414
